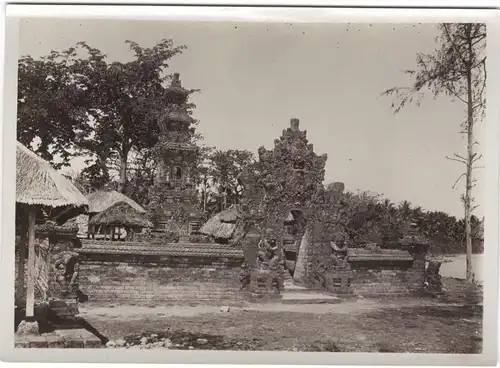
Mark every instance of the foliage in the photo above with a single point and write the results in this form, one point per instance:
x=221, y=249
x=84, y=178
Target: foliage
x=77, y=101
x=367, y=217
x=129, y=100
x=52, y=105
x=222, y=171
x=141, y=175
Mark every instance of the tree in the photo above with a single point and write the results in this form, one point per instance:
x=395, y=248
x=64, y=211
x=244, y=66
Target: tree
x=52, y=105
x=223, y=169
x=141, y=175
x=456, y=69
x=129, y=99
x=405, y=210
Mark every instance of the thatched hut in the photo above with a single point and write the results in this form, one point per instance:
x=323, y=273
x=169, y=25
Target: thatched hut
x=100, y=201
x=221, y=226
x=40, y=189
x=121, y=215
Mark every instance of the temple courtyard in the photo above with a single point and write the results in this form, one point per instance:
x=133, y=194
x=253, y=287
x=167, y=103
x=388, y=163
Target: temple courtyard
x=452, y=324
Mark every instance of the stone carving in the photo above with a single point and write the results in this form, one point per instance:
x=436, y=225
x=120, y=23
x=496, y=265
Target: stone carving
x=66, y=269
x=245, y=275
x=339, y=256
x=416, y=244
x=433, y=281
x=338, y=260
x=268, y=254
x=262, y=263
x=43, y=249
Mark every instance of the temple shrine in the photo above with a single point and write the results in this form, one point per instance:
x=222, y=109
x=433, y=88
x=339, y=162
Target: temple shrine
x=174, y=194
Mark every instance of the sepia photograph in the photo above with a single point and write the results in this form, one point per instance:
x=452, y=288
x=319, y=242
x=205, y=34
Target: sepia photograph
x=250, y=186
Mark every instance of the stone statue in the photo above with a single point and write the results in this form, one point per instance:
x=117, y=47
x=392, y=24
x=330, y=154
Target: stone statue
x=245, y=275
x=433, y=281
x=339, y=256
x=67, y=270
x=338, y=259
x=268, y=254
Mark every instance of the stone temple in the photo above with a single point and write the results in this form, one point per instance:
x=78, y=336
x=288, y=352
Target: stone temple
x=174, y=193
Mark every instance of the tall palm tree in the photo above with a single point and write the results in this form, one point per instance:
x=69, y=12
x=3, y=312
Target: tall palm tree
x=405, y=210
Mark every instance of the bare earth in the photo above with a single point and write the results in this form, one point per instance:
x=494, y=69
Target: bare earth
x=366, y=325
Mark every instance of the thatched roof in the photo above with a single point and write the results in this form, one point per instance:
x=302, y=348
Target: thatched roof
x=223, y=224
x=38, y=183
x=230, y=215
x=121, y=214
x=102, y=200
x=218, y=229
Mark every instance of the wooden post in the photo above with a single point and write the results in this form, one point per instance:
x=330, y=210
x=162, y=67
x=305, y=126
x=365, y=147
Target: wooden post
x=23, y=246
x=30, y=292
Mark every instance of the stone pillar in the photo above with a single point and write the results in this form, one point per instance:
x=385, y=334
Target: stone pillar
x=294, y=124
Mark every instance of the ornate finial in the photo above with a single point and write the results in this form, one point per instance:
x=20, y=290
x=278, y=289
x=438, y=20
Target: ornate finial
x=294, y=124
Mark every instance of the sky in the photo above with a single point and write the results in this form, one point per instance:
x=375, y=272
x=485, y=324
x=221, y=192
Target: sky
x=255, y=77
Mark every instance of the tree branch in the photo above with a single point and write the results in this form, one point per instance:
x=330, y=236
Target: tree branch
x=453, y=45
x=476, y=158
x=457, y=160
x=456, y=182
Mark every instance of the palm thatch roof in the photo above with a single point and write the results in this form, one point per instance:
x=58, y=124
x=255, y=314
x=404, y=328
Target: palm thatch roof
x=102, y=200
x=38, y=183
x=218, y=229
x=230, y=215
x=223, y=224
x=121, y=214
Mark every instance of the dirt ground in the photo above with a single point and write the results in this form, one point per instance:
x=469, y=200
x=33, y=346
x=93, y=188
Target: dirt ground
x=366, y=325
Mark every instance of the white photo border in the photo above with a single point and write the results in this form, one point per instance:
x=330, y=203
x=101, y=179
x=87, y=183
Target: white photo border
x=490, y=197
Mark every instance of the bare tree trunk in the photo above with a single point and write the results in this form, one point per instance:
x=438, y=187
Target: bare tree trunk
x=122, y=183
x=468, y=174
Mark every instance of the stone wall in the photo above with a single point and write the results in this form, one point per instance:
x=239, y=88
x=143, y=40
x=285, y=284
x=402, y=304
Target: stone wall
x=160, y=274
x=371, y=273
x=386, y=281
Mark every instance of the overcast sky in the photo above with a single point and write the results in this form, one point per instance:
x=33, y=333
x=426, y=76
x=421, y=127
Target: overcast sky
x=255, y=77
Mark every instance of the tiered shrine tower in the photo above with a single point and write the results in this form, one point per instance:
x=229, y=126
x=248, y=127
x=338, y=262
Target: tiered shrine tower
x=174, y=192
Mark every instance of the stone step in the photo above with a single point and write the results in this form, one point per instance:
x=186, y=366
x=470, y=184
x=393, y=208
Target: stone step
x=308, y=298
x=71, y=338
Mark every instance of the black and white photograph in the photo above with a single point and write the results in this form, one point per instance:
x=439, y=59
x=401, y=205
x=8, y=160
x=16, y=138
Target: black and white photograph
x=250, y=186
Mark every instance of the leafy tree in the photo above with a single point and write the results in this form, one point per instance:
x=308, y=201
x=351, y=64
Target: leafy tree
x=130, y=99
x=223, y=170
x=52, y=105
x=141, y=175
x=457, y=68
